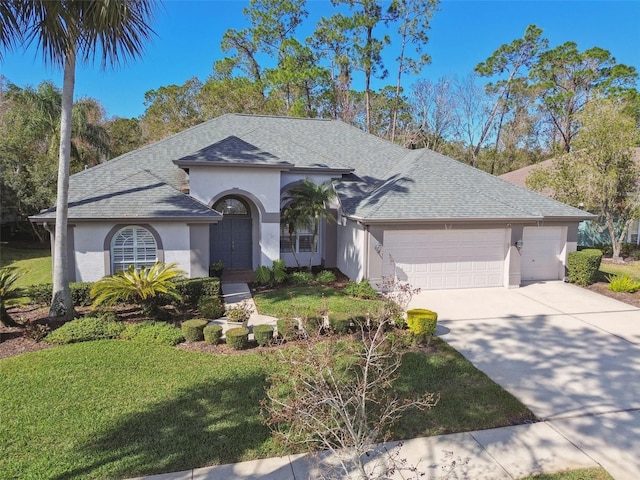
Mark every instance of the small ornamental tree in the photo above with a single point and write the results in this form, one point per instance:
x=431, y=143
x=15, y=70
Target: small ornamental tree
x=140, y=287
x=339, y=396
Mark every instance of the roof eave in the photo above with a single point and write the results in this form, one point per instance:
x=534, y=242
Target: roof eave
x=452, y=220
x=195, y=163
x=182, y=219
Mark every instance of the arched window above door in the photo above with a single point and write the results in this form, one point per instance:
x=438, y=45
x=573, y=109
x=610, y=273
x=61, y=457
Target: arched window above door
x=232, y=206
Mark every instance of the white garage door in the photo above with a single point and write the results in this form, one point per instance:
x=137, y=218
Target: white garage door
x=540, y=254
x=446, y=259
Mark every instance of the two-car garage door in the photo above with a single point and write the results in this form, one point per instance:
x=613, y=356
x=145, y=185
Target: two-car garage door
x=443, y=259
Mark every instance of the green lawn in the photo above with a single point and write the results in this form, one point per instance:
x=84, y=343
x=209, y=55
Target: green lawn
x=581, y=474
x=35, y=263
x=118, y=409
x=630, y=268
x=303, y=301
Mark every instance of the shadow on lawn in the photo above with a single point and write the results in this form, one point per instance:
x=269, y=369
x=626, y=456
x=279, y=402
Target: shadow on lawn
x=204, y=425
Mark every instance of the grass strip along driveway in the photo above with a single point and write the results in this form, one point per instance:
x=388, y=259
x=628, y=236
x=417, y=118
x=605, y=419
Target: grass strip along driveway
x=117, y=409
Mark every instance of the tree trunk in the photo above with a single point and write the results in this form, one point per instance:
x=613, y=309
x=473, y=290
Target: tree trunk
x=61, y=305
x=396, y=100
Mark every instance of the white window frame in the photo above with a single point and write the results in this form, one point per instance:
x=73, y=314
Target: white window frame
x=133, y=245
x=304, y=233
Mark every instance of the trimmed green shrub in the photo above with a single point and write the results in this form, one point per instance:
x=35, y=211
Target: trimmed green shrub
x=583, y=266
x=157, y=333
x=279, y=269
x=210, y=307
x=192, y=289
x=212, y=334
x=40, y=294
x=325, y=276
x=238, y=337
x=84, y=330
x=263, y=334
x=193, y=330
x=301, y=278
x=623, y=283
x=340, y=322
x=81, y=293
x=361, y=290
x=313, y=324
x=263, y=275
x=421, y=322
x=287, y=328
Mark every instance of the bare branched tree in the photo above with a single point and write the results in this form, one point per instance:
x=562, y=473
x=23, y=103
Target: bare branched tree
x=338, y=397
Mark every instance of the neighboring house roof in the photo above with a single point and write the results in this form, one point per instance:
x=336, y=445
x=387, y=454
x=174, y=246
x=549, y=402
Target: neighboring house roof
x=519, y=176
x=376, y=179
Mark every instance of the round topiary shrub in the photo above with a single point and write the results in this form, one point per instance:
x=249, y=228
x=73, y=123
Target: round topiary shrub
x=238, y=337
x=193, y=330
x=340, y=322
x=287, y=328
x=210, y=307
x=421, y=323
x=212, y=334
x=263, y=334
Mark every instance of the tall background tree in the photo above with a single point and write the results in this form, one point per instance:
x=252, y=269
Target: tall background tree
x=66, y=31
x=600, y=174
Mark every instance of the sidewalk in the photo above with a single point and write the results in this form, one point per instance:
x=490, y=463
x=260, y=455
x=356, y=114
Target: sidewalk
x=501, y=453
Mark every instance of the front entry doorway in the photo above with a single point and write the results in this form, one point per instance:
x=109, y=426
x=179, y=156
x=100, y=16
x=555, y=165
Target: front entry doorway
x=231, y=238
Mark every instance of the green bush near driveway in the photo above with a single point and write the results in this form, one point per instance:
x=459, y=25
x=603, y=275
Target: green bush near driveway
x=422, y=323
x=212, y=334
x=193, y=330
x=263, y=334
x=238, y=337
x=583, y=266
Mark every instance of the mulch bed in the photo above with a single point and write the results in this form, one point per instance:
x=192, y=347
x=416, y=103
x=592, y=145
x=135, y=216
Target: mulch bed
x=15, y=342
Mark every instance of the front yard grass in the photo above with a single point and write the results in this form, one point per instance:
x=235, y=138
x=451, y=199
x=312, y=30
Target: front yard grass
x=309, y=300
x=34, y=263
x=118, y=409
x=629, y=268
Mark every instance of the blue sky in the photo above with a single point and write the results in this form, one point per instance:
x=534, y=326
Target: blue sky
x=463, y=33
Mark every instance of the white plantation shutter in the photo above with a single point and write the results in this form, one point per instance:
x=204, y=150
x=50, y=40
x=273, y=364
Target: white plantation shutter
x=133, y=246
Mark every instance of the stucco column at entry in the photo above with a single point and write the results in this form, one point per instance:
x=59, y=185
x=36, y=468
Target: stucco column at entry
x=513, y=261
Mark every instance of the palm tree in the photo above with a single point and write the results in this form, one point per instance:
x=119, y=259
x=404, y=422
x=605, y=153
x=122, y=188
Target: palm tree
x=307, y=204
x=67, y=30
x=8, y=290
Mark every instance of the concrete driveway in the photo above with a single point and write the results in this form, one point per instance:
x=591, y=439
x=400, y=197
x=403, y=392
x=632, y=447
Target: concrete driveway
x=571, y=355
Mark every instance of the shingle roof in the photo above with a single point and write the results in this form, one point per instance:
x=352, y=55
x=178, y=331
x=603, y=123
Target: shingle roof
x=387, y=181
x=140, y=196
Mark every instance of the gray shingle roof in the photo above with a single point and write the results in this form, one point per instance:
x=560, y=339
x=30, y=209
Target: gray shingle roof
x=140, y=196
x=387, y=181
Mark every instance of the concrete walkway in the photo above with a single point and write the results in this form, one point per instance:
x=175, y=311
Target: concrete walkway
x=570, y=355
x=503, y=453
x=234, y=294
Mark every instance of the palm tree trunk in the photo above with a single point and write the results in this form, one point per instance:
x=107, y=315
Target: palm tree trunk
x=61, y=305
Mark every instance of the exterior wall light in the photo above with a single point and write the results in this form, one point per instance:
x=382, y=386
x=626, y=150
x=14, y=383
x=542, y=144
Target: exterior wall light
x=518, y=245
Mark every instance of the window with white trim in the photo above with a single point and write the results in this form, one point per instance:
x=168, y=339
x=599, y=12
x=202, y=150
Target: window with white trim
x=135, y=246
x=303, y=240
